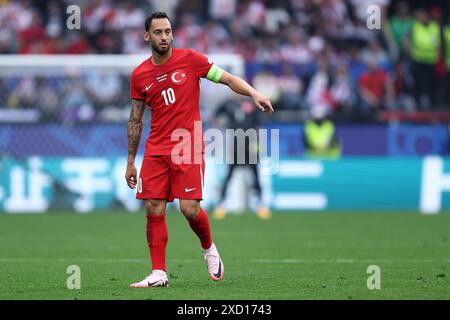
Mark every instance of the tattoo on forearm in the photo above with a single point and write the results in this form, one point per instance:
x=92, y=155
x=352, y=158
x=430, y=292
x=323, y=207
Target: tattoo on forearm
x=135, y=123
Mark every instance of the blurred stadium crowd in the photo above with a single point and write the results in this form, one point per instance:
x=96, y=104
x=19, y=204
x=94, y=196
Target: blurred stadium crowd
x=304, y=54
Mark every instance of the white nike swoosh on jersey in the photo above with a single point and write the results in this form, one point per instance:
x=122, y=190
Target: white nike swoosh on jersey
x=189, y=190
x=146, y=88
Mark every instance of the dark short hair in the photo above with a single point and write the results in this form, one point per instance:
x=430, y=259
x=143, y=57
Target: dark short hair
x=155, y=15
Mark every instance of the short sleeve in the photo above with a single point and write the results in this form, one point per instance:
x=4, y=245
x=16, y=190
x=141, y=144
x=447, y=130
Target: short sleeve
x=200, y=63
x=136, y=92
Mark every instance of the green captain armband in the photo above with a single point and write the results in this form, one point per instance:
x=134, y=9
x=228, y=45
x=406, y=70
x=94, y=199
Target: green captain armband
x=214, y=73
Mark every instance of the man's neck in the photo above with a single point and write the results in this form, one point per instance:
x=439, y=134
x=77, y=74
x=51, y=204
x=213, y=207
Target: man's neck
x=158, y=59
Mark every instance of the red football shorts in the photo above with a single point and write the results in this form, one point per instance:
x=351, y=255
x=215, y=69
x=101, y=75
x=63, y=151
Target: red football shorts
x=160, y=178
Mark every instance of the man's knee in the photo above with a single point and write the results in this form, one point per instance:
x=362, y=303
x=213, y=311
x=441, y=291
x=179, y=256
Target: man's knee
x=155, y=206
x=190, y=209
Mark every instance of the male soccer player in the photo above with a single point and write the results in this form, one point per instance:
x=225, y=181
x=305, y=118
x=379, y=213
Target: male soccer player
x=169, y=83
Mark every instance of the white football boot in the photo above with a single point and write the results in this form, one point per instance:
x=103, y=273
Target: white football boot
x=158, y=278
x=213, y=263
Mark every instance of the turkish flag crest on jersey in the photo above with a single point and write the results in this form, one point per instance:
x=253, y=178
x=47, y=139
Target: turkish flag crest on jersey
x=178, y=76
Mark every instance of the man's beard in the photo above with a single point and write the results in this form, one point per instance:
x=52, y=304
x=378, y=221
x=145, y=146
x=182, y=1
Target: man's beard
x=160, y=51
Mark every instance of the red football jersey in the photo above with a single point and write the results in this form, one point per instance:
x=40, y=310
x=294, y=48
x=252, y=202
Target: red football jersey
x=172, y=90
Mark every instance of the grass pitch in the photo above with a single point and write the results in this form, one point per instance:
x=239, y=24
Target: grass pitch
x=292, y=256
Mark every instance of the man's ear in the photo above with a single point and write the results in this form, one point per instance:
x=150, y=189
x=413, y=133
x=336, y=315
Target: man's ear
x=146, y=36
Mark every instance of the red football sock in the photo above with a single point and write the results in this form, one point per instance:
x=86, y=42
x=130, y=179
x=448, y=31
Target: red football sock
x=200, y=225
x=157, y=240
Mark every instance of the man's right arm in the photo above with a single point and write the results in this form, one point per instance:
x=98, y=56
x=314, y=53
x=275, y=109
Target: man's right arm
x=135, y=124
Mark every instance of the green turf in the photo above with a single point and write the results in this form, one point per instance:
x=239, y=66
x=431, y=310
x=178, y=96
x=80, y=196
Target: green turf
x=292, y=256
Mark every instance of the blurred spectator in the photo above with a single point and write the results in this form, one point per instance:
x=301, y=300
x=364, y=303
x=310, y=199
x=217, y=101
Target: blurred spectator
x=222, y=11
x=78, y=44
x=218, y=38
x=341, y=90
x=375, y=53
x=128, y=16
x=401, y=24
x=76, y=104
x=355, y=32
x=318, y=93
x=334, y=14
x=108, y=42
x=266, y=82
x=296, y=49
x=403, y=86
x=196, y=7
x=376, y=91
x=95, y=15
x=132, y=41
x=17, y=15
x=46, y=99
x=302, y=10
x=268, y=51
x=104, y=87
x=316, y=43
x=424, y=45
x=55, y=19
x=291, y=88
x=23, y=95
x=276, y=17
x=320, y=136
x=355, y=65
x=189, y=34
x=8, y=43
x=33, y=36
x=255, y=16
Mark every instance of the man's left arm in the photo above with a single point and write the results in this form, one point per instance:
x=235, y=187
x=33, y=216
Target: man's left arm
x=205, y=68
x=238, y=85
